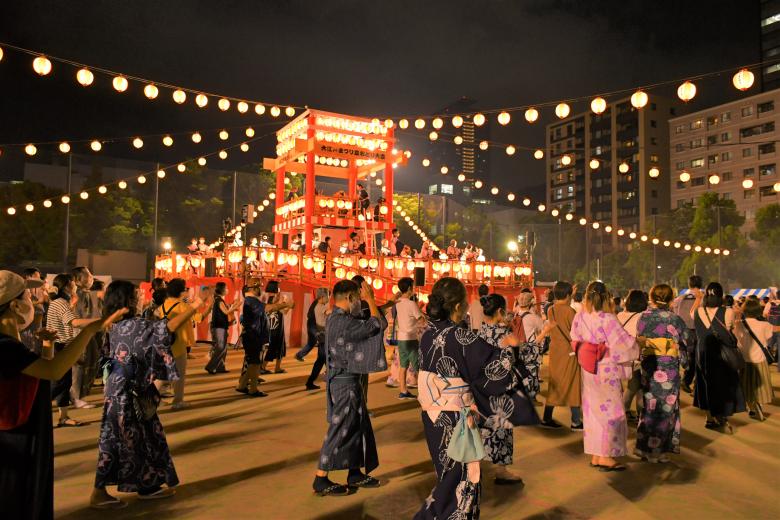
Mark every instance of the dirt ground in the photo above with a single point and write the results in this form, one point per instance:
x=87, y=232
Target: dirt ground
x=255, y=458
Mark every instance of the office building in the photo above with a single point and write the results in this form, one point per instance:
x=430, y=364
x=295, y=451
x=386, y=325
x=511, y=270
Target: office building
x=728, y=149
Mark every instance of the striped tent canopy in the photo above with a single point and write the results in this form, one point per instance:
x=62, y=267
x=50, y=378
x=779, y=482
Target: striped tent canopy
x=739, y=293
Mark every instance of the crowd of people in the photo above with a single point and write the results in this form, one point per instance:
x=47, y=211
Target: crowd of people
x=614, y=362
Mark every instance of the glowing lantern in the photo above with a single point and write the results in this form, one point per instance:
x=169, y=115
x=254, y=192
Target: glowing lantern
x=483, y=145
x=685, y=177
x=378, y=284
x=224, y=105
x=494, y=190
x=541, y=208
x=363, y=263
x=65, y=199
x=526, y=202
x=196, y=137
x=120, y=83
x=292, y=260
x=84, y=195
x=594, y=164
x=569, y=216
x=457, y=121
x=743, y=79
x=419, y=124
x=583, y=222
x=122, y=185
x=598, y=105
x=478, y=184
x=775, y=187
x=96, y=146
x=259, y=109
x=531, y=115
x=623, y=168
x=433, y=136
x=686, y=91
x=64, y=147
x=223, y=154
x=404, y=124
x=42, y=65
x=289, y=111
x=242, y=107
x=562, y=110
x=410, y=265
x=308, y=263
x=539, y=154
x=167, y=140
x=102, y=190
x=85, y=77
x=654, y=172
x=510, y=150
x=388, y=264
x=223, y=134
x=714, y=179
x=443, y=170
x=639, y=99
x=138, y=143
x=504, y=118
x=461, y=177
x=161, y=174
x=437, y=123
x=510, y=197
x=566, y=160
x=151, y=91
x=479, y=119
x=697, y=249
x=249, y=132
x=141, y=180
x=181, y=168
x=179, y=96
x=201, y=100
x=398, y=264
x=747, y=184
x=457, y=139
x=202, y=161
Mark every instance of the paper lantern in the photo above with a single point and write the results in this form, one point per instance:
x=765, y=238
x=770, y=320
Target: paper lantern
x=504, y=118
x=510, y=150
x=598, y=105
x=151, y=91
x=224, y=104
x=85, y=77
x=566, y=160
x=120, y=83
x=437, y=123
x=179, y=96
x=457, y=121
x=594, y=164
x=419, y=124
x=64, y=147
x=714, y=179
x=623, y=168
x=743, y=79
x=562, y=110
x=201, y=100
x=539, y=154
x=685, y=177
x=479, y=119
x=483, y=145
x=42, y=65
x=654, y=172
x=531, y=115
x=686, y=91
x=639, y=99
x=747, y=184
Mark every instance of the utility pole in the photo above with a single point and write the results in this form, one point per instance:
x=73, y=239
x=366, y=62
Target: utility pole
x=655, y=256
x=235, y=178
x=560, y=246
x=720, y=243
x=587, y=253
x=67, y=215
x=156, y=208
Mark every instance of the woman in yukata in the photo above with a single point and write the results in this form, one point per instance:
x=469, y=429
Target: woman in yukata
x=460, y=370
x=604, y=419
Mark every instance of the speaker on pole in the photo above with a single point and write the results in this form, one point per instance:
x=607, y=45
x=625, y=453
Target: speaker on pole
x=210, y=267
x=419, y=276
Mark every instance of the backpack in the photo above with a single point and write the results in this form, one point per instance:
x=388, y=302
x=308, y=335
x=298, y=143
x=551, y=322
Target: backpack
x=165, y=317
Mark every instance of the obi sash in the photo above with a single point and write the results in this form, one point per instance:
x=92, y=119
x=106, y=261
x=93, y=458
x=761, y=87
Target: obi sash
x=438, y=394
x=660, y=347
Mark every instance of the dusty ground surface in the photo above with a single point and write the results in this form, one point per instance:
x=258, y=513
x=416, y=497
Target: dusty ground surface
x=255, y=458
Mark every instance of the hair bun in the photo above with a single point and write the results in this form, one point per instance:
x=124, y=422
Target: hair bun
x=484, y=300
x=435, y=308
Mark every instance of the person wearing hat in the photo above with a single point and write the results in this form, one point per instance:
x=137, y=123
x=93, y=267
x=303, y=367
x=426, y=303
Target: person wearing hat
x=26, y=441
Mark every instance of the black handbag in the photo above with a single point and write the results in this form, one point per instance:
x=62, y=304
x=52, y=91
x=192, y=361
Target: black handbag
x=729, y=351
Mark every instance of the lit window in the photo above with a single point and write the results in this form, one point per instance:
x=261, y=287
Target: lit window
x=770, y=20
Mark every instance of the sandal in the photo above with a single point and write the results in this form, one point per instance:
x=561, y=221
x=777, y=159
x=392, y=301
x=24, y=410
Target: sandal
x=70, y=422
x=367, y=482
x=160, y=493
x=113, y=503
x=614, y=467
x=333, y=490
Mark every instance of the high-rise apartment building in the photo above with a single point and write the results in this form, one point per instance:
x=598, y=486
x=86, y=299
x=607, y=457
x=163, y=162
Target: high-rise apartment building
x=624, y=144
x=770, y=44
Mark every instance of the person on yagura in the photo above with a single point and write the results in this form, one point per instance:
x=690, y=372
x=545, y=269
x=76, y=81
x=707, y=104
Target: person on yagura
x=604, y=419
x=354, y=347
x=458, y=370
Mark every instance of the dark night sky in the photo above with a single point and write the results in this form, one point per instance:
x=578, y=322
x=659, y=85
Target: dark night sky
x=361, y=57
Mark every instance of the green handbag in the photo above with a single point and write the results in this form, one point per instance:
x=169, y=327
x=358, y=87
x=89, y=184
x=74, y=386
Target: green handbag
x=466, y=442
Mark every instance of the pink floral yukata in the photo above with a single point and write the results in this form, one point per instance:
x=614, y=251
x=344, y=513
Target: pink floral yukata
x=605, y=429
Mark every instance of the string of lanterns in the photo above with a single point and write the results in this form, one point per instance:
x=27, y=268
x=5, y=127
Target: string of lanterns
x=137, y=142
x=742, y=79
x=415, y=227
x=123, y=183
x=632, y=235
x=121, y=82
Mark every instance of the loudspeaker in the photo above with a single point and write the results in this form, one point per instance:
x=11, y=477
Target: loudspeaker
x=419, y=276
x=210, y=267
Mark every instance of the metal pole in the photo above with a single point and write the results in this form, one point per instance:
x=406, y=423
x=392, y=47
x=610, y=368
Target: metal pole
x=560, y=246
x=655, y=256
x=720, y=244
x=156, y=208
x=67, y=216
x=601, y=251
x=235, y=175
x=587, y=254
